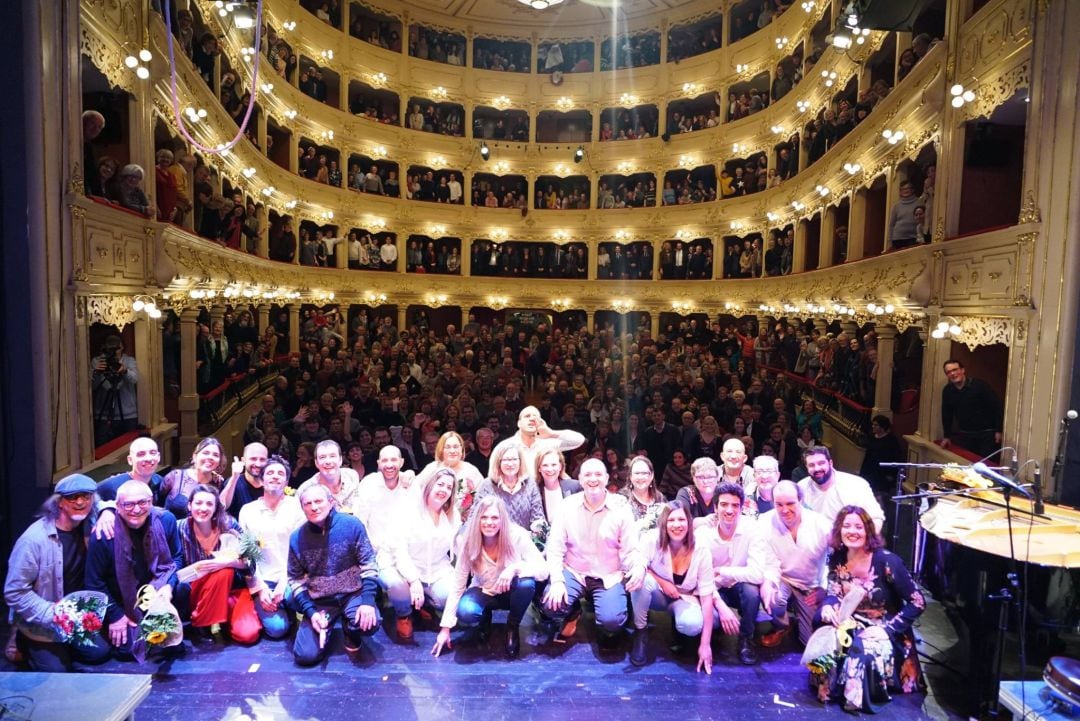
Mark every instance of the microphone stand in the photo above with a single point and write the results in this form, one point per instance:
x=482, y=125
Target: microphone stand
x=1059, y=457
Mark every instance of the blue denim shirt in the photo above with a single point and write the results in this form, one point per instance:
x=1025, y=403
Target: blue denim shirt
x=35, y=579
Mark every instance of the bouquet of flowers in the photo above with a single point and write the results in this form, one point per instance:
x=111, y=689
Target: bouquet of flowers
x=651, y=518
x=160, y=624
x=464, y=496
x=79, y=616
x=540, y=529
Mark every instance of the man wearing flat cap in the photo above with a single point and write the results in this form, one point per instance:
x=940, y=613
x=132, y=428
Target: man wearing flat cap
x=49, y=562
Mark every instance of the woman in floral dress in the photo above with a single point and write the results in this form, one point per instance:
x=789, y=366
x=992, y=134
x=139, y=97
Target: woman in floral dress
x=882, y=654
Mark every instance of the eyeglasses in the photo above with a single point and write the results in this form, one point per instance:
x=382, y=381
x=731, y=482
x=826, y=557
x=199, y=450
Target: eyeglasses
x=132, y=505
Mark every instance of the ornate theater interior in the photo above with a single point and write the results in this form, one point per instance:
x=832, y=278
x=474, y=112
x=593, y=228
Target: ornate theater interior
x=901, y=174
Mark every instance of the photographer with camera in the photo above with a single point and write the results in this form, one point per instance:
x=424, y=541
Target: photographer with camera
x=113, y=386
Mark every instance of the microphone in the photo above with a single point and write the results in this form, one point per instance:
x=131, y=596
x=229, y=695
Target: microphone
x=1009, y=484
x=1038, y=505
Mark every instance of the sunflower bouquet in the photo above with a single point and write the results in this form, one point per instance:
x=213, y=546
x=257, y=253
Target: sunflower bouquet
x=160, y=623
x=540, y=529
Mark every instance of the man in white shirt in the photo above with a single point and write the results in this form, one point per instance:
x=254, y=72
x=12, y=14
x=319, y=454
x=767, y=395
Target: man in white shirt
x=740, y=558
x=388, y=254
x=455, y=189
x=271, y=519
x=827, y=490
x=593, y=549
x=382, y=505
x=799, y=538
x=534, y=435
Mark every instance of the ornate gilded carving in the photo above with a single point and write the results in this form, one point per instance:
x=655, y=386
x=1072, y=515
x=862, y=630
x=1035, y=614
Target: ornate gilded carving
x=1029, y=211
x=975, y=332
x=110, y=309
x=992, y=94
x=106, y=57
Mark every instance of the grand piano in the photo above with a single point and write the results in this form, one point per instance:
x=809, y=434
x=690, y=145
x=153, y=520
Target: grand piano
x=960, y=552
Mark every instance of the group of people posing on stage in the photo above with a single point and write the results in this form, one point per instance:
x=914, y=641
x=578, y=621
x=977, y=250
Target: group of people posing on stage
x=738, y=552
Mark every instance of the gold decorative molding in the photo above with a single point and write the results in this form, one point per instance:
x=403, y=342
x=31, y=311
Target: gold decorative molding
x=1029, y=211
x=113, y=310
x=990, y=95
x=997, y=32
x=975, y=332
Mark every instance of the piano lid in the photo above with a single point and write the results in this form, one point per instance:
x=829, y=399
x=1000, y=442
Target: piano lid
x=1050, y=540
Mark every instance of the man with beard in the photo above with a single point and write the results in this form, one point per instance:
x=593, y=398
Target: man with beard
x=245, y=484
x=272, y=518
x=827, y=490
x=740, y=558
x=48, y=562
x=145, y=549
x=385, y=498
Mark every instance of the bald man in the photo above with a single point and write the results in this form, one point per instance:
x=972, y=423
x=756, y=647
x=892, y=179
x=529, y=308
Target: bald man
x=799, y=539
x=735, y=470
x=533, y=435
x=386, y=500
x=245, y=483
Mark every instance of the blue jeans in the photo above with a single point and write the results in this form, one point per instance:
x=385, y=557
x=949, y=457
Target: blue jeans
x=306, y=651
x=474, y=602
x=275, y=623
x=746, y=599
x=608, y=603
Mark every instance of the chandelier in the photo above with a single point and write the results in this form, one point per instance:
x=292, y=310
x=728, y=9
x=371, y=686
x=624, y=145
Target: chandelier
x=540, y=4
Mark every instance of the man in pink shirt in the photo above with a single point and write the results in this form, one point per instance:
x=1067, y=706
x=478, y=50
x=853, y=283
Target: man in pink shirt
x=593, y=549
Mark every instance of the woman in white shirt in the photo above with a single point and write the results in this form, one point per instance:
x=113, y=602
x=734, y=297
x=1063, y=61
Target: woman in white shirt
x=679, y=580
x=450, y=454
x=422, y=551
x=504, y=566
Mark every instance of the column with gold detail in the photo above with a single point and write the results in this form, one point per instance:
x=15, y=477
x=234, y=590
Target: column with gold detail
x=827, y=242
x=188, y=404
x=886, y=348
x=294, y=327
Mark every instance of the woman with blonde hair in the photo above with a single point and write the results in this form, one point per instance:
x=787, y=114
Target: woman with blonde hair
x=508, y=479
x=450, y=454
x=504, y=566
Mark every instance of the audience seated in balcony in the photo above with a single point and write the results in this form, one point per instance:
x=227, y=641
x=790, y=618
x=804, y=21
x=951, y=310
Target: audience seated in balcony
x=507, y=56
x=495, y=192
x=746, y=103
x=437, y=46
x=562, y=194
x=630, y=51
x=385, y=34
x=329, y=11
x=629, y=124
x=442, y=118
x=688, y=41
x=630, y=192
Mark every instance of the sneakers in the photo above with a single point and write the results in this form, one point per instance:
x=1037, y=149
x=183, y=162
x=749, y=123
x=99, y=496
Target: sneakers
x=775, y=638
x=404, y=628
x=747, y=655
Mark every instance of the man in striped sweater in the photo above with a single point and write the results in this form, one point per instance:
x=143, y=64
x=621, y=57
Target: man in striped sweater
x=332, y=574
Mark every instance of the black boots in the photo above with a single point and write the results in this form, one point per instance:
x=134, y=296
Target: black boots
x=747, y=655
x=639, y=649
x=513, y=641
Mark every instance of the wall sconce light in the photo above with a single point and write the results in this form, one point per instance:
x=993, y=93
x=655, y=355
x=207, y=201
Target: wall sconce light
x=485, y=151
x=893, y=136
x=947, y=326
x=961, y=95
x=852, y=168
x=564, y=103
x=145, y=303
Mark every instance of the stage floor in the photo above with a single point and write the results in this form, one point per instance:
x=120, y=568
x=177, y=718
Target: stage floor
x=576, y=681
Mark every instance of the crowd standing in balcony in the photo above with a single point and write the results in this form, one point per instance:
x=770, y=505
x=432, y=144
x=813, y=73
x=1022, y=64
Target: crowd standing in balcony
x=506, y=56
x=630, y=51
x=686, y=42
x=565, y=57
x=529, y=260
x=562, y=194
x=441, y=118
